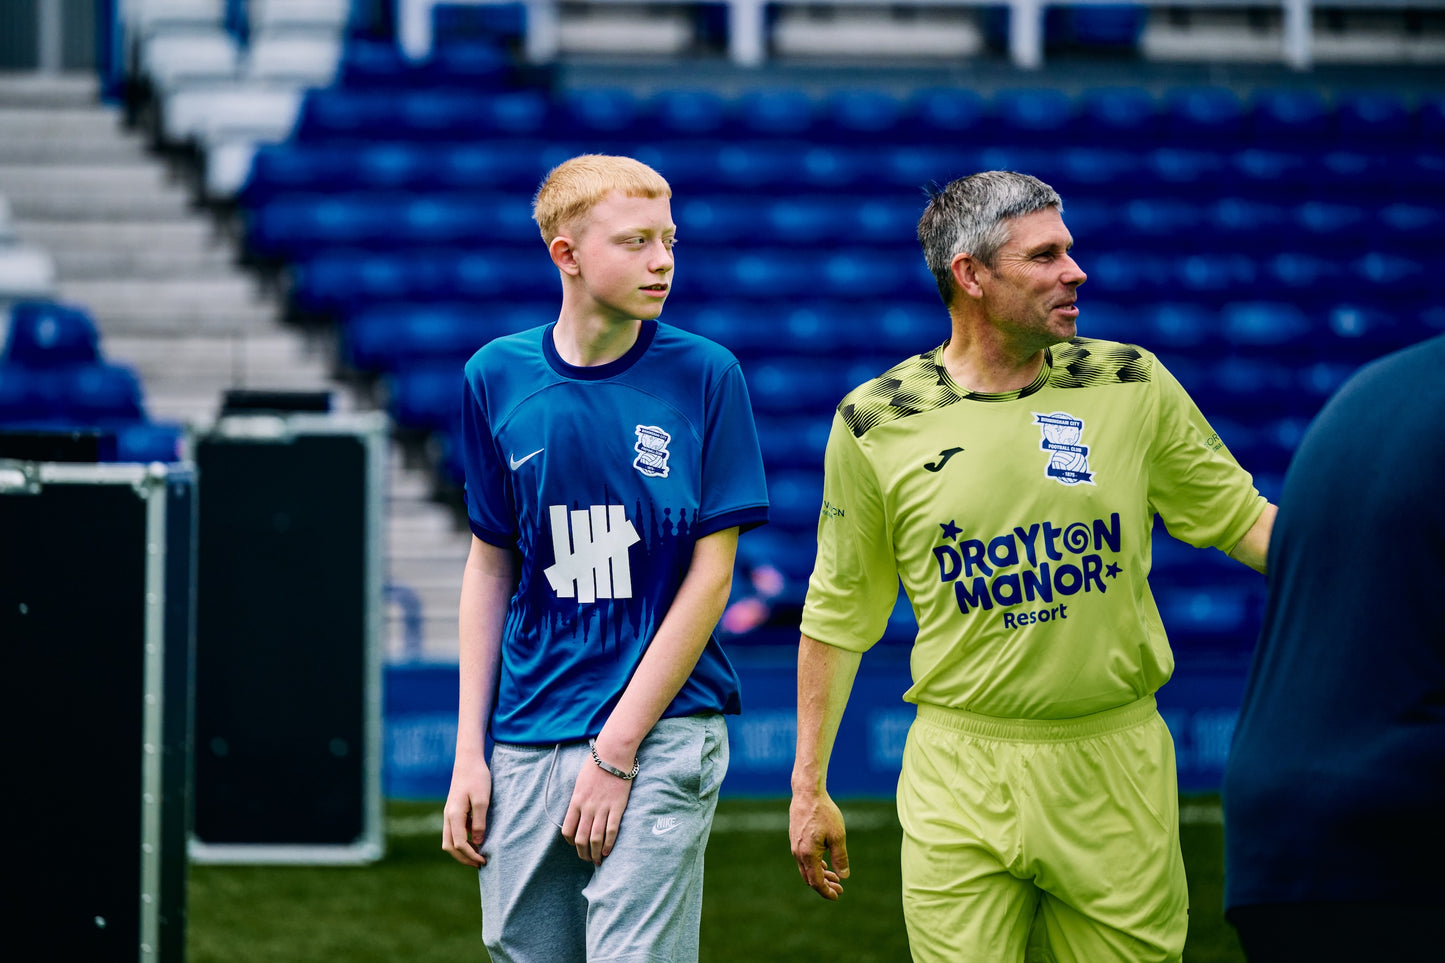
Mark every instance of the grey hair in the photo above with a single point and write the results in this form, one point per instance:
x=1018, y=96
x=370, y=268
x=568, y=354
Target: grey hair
x=971, y=214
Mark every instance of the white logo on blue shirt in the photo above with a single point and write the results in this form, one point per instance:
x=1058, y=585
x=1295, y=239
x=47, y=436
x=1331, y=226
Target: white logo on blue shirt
x=651, y=451
x=592, y=560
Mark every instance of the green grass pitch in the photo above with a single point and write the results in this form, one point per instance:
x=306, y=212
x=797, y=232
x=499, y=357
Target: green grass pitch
x=419, y=906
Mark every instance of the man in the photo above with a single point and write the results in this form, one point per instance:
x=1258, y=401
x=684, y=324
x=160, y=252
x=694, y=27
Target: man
x=1009, y=478
x=611, y=462
x=1335, y=788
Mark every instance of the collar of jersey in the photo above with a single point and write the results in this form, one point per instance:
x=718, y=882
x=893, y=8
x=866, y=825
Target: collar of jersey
x=1046, y=371
x=645, y=334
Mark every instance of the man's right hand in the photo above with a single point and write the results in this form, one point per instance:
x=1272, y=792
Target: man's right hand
x=464, y=820
x=815, y=827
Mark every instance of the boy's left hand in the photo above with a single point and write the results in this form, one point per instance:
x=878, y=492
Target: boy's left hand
x=595, y=813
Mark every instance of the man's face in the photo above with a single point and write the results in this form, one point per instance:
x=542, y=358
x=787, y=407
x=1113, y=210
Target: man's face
x=624, y=253
x=1029, y=291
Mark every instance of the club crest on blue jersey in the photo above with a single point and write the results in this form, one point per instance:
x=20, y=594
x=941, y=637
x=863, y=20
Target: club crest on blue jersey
x=1068, y=459
x=651, y=451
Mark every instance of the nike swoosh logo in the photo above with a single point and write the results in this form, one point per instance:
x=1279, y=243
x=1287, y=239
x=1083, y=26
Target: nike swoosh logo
x=943, y=457
x=516, y=462
x=665, y=825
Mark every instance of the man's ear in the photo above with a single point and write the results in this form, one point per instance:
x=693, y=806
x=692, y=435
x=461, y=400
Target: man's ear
x=564, y=254
x=965, y=274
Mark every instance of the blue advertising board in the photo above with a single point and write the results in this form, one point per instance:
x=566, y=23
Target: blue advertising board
x=1200, y=706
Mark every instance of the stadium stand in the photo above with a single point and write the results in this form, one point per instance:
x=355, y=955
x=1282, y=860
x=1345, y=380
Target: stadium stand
x=1264, y=235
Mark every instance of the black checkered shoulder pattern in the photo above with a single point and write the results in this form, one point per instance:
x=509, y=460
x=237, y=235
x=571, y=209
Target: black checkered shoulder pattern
x=921, y=383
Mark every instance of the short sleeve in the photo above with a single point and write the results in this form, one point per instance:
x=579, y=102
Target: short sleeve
x=734, y=487
x=489, y=510
x=854, y=585
x=1203, y=495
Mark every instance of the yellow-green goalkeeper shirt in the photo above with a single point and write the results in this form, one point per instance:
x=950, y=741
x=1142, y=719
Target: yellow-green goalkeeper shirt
x=1019, y=525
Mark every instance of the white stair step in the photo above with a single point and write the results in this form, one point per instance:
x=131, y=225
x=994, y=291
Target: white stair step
x=172, y=237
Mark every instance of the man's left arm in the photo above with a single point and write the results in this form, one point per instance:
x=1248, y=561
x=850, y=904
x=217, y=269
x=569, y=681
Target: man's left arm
x=1253, y=548
x=599, y=798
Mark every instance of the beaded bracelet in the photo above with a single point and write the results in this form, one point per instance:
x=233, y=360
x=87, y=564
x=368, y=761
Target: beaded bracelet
x=613, y=769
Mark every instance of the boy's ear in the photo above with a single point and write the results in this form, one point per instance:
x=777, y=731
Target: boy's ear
x=564, y=255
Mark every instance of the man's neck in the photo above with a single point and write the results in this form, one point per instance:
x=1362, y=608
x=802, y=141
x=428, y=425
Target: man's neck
x=592, y=341
x=990, y=365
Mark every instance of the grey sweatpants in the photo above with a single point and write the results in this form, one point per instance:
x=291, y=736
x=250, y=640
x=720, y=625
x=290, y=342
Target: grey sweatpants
x=541, y=903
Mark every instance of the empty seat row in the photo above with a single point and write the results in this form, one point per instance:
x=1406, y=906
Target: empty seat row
x=1212, y=116
x=293, y=226
x=1363, y=173
x=53, y=378
x=340, y=280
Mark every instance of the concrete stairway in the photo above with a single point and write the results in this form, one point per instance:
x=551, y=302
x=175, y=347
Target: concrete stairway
x=163, y=281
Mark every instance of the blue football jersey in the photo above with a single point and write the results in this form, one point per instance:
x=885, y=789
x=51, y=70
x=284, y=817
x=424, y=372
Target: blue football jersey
x=602, y=479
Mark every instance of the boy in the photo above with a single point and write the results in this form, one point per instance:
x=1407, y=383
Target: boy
x=611, y=462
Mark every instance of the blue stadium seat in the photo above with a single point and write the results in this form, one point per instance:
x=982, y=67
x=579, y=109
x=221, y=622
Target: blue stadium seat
x=1184, y=168
x=1247, y=225
x=342, y=281
x=1108, y=321
x=1293, y=118
x=1406, y=226
x=425, y=397
x=149, y=441
x=1149, y=221
x=1267, y=323
x=512, y=165
x=790, y=442
x=749, y=329
x=831, y=167
x=1207, y=615
x=689, y=112
x=1124, y=118
x=705, y=220
x=1250, y=386
x=601, y=111
x=1376, y=118
x=864, y=115
x=292, y=167
x=370, y=64
x=1335, y=226
x=1096, y=173
x=755, y=273
x=48, y=334
x=947, y=114
x=884, y=219
x=1127, y=276
x=1031, y=116
x=1270, y=174
x=1215, y=277
x=808, y=220
x=1093, y=222
x=1366, y=331
x=914, y=166
x=1308, y=279
x=101, y=393
x=1394, y=279
x=872, y=273
x=1214, y=118
x=794, y=499
x=775, y=112
x=790, y=387
x=1174, y=325
x=385, y=338
x=1431, y=119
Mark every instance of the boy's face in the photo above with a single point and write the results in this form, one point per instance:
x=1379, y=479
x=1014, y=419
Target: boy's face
x=623, y=255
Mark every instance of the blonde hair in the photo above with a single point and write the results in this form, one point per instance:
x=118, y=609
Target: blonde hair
x=574, y=187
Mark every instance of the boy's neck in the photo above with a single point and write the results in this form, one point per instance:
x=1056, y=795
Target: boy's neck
x=589, y=342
